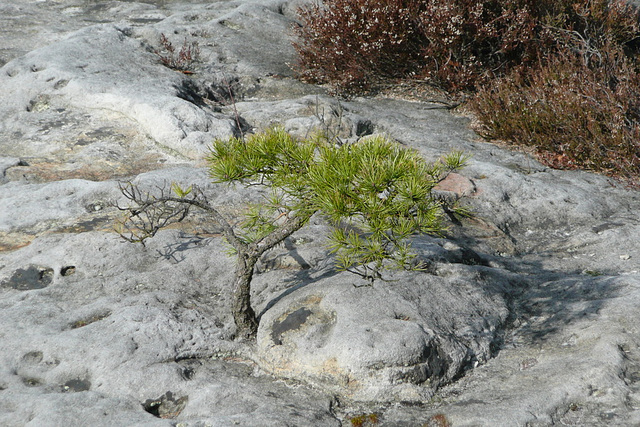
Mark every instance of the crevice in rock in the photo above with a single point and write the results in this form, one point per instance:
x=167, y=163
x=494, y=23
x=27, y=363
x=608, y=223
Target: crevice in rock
x=32, y=382
x=68, y=270
x=166, y=406
x=89, y=320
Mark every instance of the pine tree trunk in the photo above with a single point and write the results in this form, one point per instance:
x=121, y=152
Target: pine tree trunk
x=243, y=314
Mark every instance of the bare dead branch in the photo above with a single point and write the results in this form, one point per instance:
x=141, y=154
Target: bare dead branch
x=148, y=213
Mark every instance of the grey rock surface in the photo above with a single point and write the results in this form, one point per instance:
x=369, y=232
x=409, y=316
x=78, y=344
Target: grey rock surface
x=526, y=315
x=394, y=341
x=120, y=325
x=105, y=70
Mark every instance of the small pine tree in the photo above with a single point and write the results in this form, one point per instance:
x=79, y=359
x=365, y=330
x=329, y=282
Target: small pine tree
x=375, y=194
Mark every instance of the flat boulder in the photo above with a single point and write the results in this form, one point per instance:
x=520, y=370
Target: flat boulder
x=392, y=341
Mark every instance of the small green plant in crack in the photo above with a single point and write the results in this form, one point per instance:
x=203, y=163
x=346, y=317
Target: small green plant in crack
x=182, y=59
x=593, y=273
x=374, y=193
x=364, y=420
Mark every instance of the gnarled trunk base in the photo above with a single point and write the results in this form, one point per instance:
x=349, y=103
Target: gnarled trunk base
x=243, y=314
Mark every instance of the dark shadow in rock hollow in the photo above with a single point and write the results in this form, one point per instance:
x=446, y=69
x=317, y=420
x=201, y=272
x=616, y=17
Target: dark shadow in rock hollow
x=292, y=322
x=32, y=278
x=213, y=95
x=190, y=92
x=554, y=302
x=76, y=385
x=543, y=301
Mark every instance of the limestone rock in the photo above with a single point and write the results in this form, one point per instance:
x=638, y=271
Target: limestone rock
x=104, y=69
x=394, y=341
x=526, y=313
x=116, y=325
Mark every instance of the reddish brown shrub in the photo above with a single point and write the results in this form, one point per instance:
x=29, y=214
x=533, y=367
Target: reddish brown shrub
x=181, y=60
x=580, y=107
x=453, y=43
x=471, y=41
x=587, y=25
x=456, y=44
x=557, y=75
x=573, y=116
x=352, y=43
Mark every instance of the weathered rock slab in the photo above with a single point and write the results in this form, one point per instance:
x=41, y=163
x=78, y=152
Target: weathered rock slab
x=100, y=327
x=526, y=314
x=393, y=341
